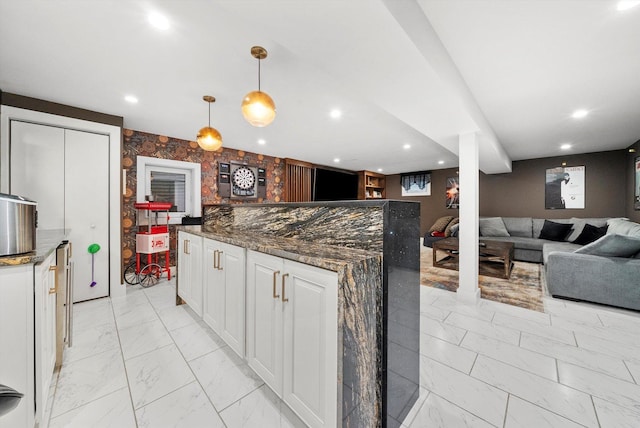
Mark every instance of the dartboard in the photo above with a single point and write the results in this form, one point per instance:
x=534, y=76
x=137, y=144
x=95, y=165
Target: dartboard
x=244, y=178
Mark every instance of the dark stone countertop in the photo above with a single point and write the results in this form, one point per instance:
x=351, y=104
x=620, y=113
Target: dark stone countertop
x=330, y=257
x=47, y=241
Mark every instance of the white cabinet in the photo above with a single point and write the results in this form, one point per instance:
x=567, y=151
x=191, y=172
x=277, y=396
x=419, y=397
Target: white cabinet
x=17, y=341
x=190, y=270
x=292, y=334
x=224, y=292
x=45, y=288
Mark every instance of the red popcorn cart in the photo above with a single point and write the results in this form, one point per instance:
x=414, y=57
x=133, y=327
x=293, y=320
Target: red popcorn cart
x=153, y=240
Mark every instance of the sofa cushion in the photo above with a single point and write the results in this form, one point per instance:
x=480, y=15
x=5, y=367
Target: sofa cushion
x=619, y=226
x=519, y=226
x=553, y=231
x=447, y=230
x=454, y=230
x=590, y=234
x=538, y=223
x=611, y=245
x=519, y=242
x=441, y=224
x=565, y=247
x=493, y=226
x=579, y=223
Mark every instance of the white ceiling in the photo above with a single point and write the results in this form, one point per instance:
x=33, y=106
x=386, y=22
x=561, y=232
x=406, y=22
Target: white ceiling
x=416, y=72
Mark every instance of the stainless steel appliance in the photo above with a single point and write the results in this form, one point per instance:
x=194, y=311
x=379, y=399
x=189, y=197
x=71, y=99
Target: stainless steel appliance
x=18, y=225
x=64, y=299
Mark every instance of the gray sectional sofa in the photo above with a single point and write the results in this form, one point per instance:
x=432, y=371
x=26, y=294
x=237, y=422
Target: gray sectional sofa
x=591, y=272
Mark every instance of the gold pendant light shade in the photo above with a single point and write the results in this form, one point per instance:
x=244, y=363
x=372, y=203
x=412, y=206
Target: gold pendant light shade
x=209, y=138
x=257, y=107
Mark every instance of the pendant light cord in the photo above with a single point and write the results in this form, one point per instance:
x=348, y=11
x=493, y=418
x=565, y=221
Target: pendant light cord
x=259, y=61
x=209, y=114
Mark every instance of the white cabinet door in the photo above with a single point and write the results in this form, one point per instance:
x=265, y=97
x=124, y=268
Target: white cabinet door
x=224, y=307
x=45, y=330
x=233, y=267
x=212, y=305
x=310, y=343
x=190, y=270
x=37, y=169
x=264, y=317
x=86, y=214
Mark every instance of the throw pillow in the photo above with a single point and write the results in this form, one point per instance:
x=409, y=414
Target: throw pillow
x=553, y=231
x=493, y=226
x=454, y=230
x=447, y=230
x=612, y=246
x=441, y=224
x=438, y=234
x=590, y=234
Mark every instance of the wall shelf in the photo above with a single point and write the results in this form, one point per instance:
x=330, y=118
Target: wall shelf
x=371, y=185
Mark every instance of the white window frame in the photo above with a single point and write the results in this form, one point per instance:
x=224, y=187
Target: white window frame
x=193, y=178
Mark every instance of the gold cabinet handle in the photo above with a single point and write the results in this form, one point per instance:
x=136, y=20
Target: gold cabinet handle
x=215, y=252
x=219, y=264
x=275, y=274
x=54, y=290
x=70, y=250
x=186, y=246
x=284, y=276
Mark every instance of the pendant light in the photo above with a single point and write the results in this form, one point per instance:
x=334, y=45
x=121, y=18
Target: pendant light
x=209, y=138
x=257, y=107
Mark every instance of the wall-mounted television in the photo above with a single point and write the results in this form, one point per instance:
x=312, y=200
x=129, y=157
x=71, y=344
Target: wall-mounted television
x=334, y=185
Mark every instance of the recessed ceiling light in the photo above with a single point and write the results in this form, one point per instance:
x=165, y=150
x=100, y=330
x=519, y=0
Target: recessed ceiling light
x=158, y=21
x=565, y=146
x=579, y=114
x=627, y=4
x=131, y=99
x=440, y=162
x=406, y=146
x=335, y=113
x=379, y=169
x=336, y=160
x=262, y=142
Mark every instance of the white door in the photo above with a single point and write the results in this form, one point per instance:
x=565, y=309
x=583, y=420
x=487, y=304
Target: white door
x=310, y=343
x=37, y=170
x=264, y=317
x=86, y=193
x=231, y=263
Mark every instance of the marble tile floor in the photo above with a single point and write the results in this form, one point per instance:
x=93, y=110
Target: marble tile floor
x=140, y=361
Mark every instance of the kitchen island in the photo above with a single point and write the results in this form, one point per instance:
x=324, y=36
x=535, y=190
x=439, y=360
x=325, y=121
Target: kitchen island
x=336, y=284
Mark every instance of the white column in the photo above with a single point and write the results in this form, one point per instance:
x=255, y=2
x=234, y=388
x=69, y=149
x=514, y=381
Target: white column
x=468, y=156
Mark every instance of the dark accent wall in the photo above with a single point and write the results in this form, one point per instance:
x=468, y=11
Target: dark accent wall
x=632, y=213
x=521, y=193
x=159, y=146
x=431, y=207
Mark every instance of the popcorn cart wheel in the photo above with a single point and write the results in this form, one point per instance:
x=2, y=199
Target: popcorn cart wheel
x=152, y=240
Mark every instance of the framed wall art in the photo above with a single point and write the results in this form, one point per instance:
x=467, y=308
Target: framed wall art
x=564, y=188
x=416, y=184
x=453, y=193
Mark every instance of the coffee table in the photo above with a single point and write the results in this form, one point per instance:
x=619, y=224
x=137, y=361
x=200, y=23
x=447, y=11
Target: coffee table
x=495, y=257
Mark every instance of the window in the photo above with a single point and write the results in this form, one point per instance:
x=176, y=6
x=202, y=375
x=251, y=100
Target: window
x=170, y=181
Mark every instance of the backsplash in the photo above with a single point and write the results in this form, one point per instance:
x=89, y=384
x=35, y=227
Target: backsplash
x=159, y=146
